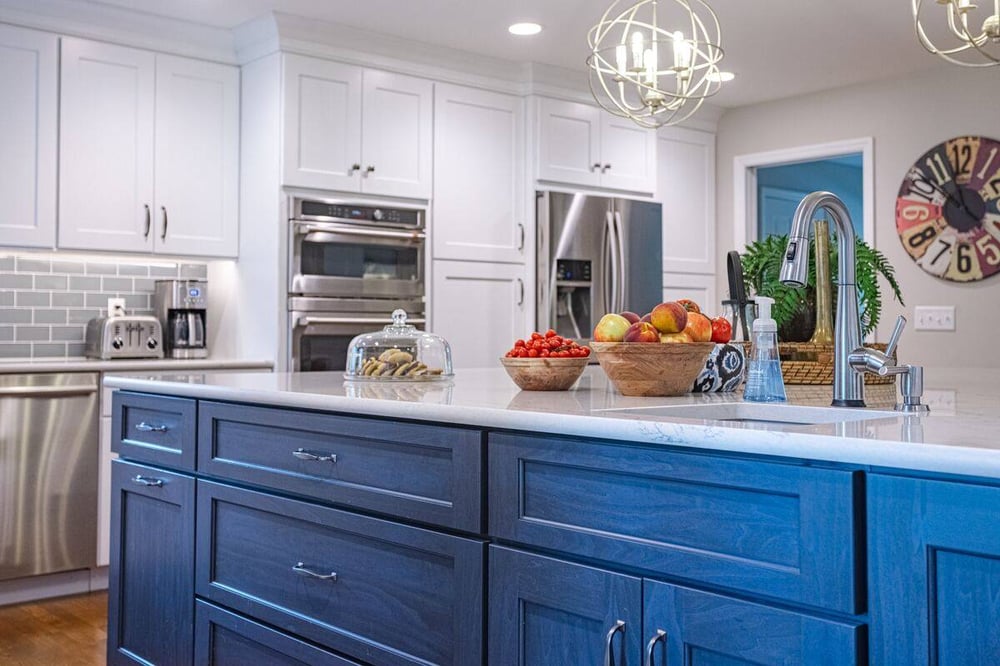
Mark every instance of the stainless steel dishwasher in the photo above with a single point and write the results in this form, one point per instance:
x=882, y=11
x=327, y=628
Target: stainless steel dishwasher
x=48, y=473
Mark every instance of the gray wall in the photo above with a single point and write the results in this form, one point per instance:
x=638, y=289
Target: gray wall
x=906, y=117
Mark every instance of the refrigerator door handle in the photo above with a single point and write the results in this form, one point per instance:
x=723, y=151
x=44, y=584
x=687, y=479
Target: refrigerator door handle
x=620, y=243
x=616, y=267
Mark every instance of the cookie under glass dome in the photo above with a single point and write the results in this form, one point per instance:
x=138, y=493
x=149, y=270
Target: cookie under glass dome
x=399, y=352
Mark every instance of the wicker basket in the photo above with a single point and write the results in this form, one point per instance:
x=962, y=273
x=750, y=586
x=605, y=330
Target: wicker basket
x=812, y=364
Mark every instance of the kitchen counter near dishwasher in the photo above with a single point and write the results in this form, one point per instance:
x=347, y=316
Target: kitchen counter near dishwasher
x=80, y=364
x=957, y=437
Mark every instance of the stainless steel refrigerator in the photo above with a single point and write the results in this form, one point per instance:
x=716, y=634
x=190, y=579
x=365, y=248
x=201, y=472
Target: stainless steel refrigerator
x=596, y=255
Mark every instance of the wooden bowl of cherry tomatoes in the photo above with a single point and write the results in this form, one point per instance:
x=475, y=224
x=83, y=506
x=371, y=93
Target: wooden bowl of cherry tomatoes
x=545, y=362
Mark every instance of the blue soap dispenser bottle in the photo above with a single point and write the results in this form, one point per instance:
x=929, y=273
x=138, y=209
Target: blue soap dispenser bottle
x=764, y=380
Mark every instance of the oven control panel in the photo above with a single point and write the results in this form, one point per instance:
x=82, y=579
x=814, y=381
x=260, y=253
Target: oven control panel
x=322, y=210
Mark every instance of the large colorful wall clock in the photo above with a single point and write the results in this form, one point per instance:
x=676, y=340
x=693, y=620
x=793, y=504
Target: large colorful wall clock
x=948, y=209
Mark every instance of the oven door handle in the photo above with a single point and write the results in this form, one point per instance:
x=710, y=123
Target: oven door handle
x=317, y=234
x=366, y=321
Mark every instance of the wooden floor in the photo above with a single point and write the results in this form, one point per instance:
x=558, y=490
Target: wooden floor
x=70, y=631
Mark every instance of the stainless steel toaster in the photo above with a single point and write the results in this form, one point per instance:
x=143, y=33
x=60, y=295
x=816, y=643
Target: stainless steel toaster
x=125, y=336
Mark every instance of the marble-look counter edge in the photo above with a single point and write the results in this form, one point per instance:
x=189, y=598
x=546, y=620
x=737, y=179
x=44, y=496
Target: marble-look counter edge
x=888, y=453
x=27, y=366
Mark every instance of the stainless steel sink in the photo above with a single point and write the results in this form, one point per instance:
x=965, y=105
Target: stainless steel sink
x=755, y=412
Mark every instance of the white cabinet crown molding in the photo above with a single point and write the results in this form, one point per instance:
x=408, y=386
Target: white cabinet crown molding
x=111, y=23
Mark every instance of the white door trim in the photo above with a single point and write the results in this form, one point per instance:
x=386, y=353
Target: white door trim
x=745, y=181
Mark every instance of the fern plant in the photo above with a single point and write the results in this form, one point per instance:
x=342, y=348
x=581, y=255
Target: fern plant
x=762, y=262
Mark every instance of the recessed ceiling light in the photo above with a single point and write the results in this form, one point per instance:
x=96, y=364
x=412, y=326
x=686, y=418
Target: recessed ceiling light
x=721, y=77
x=523, y=29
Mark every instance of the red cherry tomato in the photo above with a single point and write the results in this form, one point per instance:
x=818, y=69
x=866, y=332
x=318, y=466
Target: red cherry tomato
x=722, y=330
x=550, y=333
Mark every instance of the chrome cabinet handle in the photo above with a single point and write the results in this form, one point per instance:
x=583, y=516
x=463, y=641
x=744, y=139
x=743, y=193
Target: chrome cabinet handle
x=520, y=287
x=301, y=569
x=605, y=168
x=149, y=221
x=520, y=241
x=147, y=427
x=317, y=456
x=354, y=167
x=369, y=169
x=595, y=166
x=609, y=657
x=660, y=636
x=147, y=481
x=163, y=234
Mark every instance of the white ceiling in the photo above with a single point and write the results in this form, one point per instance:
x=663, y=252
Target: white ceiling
x=777, y=48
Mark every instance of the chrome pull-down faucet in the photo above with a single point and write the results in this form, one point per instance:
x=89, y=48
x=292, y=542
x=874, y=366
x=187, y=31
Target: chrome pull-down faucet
x=848, y=385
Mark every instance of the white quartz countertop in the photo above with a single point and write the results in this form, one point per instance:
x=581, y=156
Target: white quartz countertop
x=961, y=435
x=24, y=366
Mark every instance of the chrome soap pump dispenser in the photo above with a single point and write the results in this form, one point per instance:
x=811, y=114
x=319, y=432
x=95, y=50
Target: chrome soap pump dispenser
x=764, y=380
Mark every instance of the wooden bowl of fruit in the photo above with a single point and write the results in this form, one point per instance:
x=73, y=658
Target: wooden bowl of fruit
x=660, y=354
x=545, y=362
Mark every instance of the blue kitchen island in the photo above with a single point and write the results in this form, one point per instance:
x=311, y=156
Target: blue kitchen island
x=299, y=518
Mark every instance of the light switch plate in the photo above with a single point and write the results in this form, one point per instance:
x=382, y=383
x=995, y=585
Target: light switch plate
x=934, y=318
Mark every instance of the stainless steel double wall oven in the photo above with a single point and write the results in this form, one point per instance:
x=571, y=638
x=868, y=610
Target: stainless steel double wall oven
x=349, y=266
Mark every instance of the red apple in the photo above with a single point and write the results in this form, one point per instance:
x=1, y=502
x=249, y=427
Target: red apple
x=642, y=331
x=698, y=327
x=647, y=317
x=611, y=328
x=631, y=316
x=675, y=337
x=669, y=317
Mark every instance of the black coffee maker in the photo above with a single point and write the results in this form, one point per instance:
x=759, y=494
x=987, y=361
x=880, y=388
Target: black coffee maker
x=181, y=305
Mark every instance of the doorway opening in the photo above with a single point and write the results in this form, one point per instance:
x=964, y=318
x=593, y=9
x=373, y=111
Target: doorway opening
x=769, y=186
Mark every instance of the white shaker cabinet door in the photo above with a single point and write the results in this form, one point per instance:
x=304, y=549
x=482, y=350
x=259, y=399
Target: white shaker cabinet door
x=628, y=155
x=197, y=157
x=569, y=142
x=479, y=180
x=28, y=137
x=479, y=308
x=396, y=135
x=106, y=147
x=686, y=187
x=322, y=121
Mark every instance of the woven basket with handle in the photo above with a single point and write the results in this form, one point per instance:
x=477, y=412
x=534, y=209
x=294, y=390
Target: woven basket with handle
x=812, y=364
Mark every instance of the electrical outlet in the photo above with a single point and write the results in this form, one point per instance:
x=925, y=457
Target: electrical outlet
x=934, y=318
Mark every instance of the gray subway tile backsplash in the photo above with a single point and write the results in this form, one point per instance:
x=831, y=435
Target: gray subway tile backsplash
x=45, y=303
x=51, y=282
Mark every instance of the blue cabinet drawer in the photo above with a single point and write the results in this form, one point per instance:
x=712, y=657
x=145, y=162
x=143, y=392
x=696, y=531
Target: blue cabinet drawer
x=154, y=428
x=782, y=531
x=426, y=473
x=371, y=589
x=223, y=638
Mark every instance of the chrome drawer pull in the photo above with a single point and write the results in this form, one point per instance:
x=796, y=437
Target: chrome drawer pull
x=303, y=570
x=318, y=456
x=609, y=657
x=660, y=636
x=147, y=481
x=146, y=427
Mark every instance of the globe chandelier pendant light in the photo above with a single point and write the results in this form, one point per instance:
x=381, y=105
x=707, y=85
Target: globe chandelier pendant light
x=655, y=62
x=976, y=29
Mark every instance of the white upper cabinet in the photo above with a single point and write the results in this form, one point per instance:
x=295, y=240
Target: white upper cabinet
x=149, y=152
x=28, y=137
x=687, y=189
x=584, y=145
x=197, y=157
x=356, y=130
x=479, y=179
x=106, y=147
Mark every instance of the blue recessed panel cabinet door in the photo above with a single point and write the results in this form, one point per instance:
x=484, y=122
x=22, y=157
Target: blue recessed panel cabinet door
x=547, y=612
x=696, y=628
x=934, y=572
